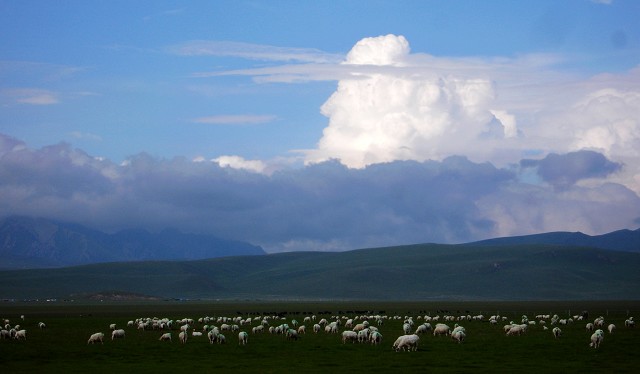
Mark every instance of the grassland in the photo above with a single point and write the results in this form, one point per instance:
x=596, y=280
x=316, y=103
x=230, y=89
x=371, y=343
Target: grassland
x=62, y=346
x=418, y=272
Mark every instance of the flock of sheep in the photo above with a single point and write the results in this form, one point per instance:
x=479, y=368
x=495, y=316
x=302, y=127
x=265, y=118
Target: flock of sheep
x=357, y=329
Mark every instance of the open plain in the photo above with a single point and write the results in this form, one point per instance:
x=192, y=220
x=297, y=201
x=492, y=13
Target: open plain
x=62, y=345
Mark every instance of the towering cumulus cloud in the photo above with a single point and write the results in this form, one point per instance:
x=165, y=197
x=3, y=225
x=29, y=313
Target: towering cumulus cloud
x=388, y=110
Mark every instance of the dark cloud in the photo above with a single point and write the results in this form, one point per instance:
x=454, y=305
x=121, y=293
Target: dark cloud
x=565, y=170
x=324, y=206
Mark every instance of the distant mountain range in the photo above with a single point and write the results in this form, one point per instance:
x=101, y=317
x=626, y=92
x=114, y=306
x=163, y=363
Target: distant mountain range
x=27, y=242
x=39, y=243
x=550, y=266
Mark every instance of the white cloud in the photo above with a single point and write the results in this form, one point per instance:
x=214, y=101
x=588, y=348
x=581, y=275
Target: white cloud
x=387, y=50
x=241, y=119
x=396, y=114
x=32, y=96
x=252, y=51
x=237, y=162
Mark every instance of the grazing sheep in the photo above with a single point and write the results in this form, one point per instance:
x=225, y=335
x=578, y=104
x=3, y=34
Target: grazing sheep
x=302, y=329
x=5, y=334
x=629, y=322
x=112, y=326
x=596, y=338
x=458, y=328
x=117, y=334
x=516, y=330
x=422, y=329
x=243, y=338
x=348, y=324
x=292, y=334
x=95, y=338
x=611, y=328
x=410, y=342
x=375, y=338
x=441, y=329
x=183, y=336
x=316, y=328
x=406, y=328
x=556, y=332
x=165, y=337
x=458, y=335
x=361, y=326
x=349, y=335
x=213, y=336
x=21, y=335
x=42, y=326
x=221, y=339
x=590, y=326
x=196, y=333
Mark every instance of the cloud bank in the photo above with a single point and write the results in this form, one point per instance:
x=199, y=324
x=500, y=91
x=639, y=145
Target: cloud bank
x=322, y=206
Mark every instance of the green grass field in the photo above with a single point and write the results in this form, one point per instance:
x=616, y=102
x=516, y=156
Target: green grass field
x=62, y=346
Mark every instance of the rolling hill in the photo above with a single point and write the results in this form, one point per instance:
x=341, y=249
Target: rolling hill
x=621, y=240
x=416, y=272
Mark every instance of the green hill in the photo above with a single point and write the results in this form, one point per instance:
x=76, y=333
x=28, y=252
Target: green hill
x=417, y=272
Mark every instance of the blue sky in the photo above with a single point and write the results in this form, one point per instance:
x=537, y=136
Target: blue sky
x=266, y=106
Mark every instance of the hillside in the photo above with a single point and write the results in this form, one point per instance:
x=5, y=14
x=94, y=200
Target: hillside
x=621, y=240
x=418, y=272
x=37, y=243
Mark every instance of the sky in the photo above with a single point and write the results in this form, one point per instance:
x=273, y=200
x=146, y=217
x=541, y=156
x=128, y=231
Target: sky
x=323, y=125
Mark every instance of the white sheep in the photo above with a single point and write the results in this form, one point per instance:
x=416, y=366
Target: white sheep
x=596, y=338
x=243, y=338
x=165, y=337
x=292, y=334
x=556, y=332
x=212, y=335
x=422, y=329
x=349, y=335
x=183, y=337
x=316, y=328
x=95, y=338
x=458, y=335
x=590, y=326
x=117, y=334
x=112, y=326
x=375, y=338
x=406, y=328
x=517, y=330
x=629, y=322
x=410, y=342
x=42, y=325
x=361, y=326
x=441, y=329
x=21, y=335
x=611, y=328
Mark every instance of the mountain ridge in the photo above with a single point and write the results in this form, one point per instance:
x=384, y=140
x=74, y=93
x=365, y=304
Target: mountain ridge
x=27, y=242
x=619, y=240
